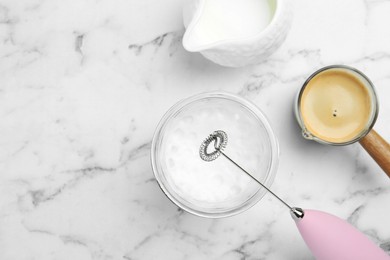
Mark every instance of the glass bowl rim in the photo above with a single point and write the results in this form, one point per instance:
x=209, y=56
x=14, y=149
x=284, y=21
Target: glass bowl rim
x=259, y=194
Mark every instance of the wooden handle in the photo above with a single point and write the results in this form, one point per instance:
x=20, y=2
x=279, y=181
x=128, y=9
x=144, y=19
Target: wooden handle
x=378, y=148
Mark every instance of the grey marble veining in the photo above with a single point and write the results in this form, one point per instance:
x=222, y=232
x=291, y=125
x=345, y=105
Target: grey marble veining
x=83, y=85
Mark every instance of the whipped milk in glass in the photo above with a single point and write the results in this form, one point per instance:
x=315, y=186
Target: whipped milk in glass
x=217, y=188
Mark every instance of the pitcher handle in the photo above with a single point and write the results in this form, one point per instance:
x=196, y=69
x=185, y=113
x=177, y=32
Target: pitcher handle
x=378, y=148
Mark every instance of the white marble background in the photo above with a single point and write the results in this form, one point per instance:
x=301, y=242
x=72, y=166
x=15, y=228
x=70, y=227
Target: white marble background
x=83, y=84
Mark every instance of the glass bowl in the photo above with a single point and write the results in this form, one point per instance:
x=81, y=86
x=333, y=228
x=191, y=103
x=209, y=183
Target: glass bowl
x=217, y=188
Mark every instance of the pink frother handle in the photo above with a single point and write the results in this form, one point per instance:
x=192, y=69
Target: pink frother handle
x=331, y=238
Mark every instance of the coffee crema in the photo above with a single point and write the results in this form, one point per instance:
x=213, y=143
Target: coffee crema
x=336, y=106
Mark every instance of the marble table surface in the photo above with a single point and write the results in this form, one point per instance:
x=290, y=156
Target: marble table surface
x=83, y=84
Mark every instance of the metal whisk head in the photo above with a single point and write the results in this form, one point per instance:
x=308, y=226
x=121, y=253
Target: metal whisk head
x=220, y=139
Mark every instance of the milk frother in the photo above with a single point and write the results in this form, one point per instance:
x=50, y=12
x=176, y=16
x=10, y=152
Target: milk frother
x=327, y=236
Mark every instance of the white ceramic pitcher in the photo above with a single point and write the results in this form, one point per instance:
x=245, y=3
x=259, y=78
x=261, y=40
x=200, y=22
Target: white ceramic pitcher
x=234, y=51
